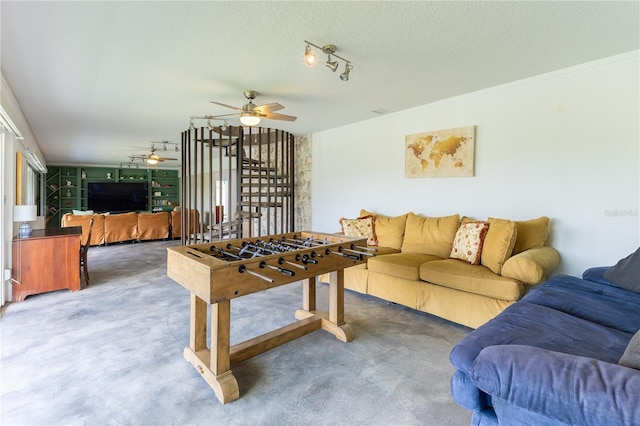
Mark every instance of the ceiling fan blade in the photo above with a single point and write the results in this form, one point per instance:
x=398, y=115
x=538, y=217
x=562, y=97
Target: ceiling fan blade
x=267, y=108
x=282, y=117
x=226, y=106
x=167, y=158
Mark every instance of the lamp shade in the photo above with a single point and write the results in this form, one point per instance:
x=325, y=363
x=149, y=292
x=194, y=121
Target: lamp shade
x=25, y=213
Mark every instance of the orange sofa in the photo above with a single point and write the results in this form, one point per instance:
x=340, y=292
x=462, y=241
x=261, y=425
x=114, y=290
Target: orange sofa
x=176, y=223
x=113, y=228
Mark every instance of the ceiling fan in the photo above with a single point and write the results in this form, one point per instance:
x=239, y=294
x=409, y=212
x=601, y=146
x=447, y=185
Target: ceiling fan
x=250, y=114
x=154, y=158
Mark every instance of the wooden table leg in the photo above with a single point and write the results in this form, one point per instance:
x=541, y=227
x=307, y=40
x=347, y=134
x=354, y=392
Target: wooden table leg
x=309, y=294
x=198, y=324
x=334, y=321
x=336, y=324
x=212, y=364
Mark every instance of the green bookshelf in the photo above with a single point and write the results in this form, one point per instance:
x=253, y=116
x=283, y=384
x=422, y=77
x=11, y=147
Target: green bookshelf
x=66, y=188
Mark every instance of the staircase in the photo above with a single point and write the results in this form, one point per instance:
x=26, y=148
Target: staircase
x=258, y=165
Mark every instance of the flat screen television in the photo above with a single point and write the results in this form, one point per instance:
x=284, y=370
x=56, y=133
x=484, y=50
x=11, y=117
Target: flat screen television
x=117, y=197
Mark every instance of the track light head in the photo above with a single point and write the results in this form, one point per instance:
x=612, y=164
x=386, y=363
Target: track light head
x=332, y=65
x=309, y=57
x=347, y=69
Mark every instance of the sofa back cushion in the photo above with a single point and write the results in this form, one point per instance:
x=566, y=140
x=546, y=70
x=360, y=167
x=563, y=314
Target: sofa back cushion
x=631, y=356
x=121, y=227
x=498, y=243
x=531, y=234
x=389, y=230
x=97, y=231
x=430, y=235
x=626, y=273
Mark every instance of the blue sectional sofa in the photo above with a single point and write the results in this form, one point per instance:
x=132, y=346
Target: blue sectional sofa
x=553, y=358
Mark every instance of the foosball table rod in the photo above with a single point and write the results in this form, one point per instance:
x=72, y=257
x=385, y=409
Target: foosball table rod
x=242, y=269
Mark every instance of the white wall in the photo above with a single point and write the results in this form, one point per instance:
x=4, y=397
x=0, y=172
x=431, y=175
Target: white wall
x=563, y=145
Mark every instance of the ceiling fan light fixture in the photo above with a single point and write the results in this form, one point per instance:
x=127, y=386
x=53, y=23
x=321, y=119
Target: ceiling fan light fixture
x=249, y=119
x=151, y=161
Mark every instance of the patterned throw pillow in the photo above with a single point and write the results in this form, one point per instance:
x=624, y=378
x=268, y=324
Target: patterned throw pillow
x=360, y=227
x=467, y=244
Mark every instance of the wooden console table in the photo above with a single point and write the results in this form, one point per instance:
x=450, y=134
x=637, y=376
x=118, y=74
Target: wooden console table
x=48, y=260
x=216, y=273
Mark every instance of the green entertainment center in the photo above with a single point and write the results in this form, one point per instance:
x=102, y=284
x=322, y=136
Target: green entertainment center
x=67, y=187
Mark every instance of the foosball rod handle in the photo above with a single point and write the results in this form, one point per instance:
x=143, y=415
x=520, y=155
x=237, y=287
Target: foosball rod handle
x=287, y=272
x=243, y=268
x=348, y=256
x=306, y=259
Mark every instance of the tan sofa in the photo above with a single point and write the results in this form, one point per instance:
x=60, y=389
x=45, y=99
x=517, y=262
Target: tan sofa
x=413, y=265
x=176, y=222
x=113, y=228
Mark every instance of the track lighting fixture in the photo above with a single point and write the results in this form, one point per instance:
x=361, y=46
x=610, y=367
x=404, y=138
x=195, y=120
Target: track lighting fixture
x=328, y=49
x=210, y=125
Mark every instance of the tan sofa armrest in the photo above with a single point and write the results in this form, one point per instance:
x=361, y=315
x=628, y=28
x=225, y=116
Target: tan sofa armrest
x=531, y=266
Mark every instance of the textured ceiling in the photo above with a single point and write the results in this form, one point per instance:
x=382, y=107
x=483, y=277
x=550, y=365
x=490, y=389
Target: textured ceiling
x=98, y=81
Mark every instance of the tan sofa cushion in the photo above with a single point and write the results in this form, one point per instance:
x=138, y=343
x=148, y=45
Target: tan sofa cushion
x=389, y=230
x=430, y=235
x=121, y=227
x=401, y=265
x=97, y=231
x=531, y=234
x=475, y=279
x=531, y=266
x=498, y=244
x=153, y=226
x=176, y=222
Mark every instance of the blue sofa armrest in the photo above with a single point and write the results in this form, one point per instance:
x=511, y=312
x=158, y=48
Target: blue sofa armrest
x=566, y=388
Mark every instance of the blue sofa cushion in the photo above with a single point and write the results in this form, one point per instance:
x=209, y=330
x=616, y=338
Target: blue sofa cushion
x=568, y=389
x=626, y=273
x=603, y=304
x=536, y=325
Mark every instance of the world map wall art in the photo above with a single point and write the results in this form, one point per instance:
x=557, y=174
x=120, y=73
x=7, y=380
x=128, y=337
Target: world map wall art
x=442, y=153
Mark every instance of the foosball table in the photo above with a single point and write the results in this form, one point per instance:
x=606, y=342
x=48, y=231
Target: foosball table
x=215, y=273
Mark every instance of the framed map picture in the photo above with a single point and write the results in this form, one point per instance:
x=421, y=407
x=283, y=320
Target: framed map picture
x=442, y=153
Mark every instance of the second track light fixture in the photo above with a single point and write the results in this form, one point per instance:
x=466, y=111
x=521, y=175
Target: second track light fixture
x=330, y=50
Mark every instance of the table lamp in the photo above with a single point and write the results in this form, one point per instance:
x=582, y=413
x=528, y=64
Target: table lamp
x=24, y=214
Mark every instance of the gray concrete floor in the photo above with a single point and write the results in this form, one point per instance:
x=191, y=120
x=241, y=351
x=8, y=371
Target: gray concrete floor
x=112, y=354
